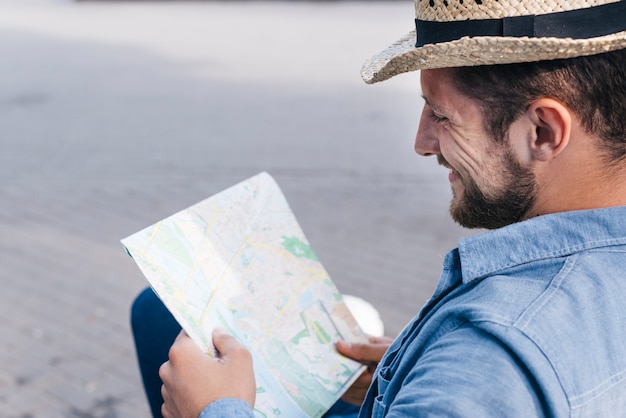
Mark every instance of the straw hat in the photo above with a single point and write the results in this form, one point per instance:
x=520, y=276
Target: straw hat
x=458, y=33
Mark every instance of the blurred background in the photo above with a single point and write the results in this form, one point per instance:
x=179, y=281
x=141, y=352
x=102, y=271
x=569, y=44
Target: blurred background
x=116, y=114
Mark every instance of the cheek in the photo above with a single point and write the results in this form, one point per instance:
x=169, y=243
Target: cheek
x=461, y=153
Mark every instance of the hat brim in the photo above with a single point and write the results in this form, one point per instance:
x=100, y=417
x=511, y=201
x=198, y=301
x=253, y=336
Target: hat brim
x=402, y=56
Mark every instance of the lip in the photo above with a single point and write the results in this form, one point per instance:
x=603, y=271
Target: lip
x=453, y=176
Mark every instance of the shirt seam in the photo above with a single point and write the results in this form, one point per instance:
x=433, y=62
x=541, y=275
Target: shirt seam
x=562, y=252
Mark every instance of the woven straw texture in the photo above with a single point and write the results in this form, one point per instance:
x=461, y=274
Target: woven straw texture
x=402, y=56
x=448, y=10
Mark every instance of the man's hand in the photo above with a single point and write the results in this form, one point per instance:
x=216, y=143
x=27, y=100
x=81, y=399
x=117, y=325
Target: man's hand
x=368, y=354
x=192, y=379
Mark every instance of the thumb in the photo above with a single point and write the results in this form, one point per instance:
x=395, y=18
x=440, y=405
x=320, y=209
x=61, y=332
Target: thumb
x=225, y=344
x=362, y=352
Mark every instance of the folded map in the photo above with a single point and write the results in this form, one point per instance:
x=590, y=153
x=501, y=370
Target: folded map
x=239, y=260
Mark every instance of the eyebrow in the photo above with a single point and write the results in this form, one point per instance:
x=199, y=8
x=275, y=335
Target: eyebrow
x=441, y=112
x=433, y=106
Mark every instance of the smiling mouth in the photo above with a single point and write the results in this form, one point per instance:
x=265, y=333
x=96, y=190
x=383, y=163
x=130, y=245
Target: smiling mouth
x=453, y=175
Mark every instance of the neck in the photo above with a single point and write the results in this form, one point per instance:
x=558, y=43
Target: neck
x=579, y=181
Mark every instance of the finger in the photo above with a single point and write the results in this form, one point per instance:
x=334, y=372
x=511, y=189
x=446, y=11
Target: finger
x=379, y=340
x=183, y=350
x=164, y=394
x=362, y=352
x=181, y=334
x=166, y=401
x=164, y=372
x=226, y=345
x=361, y=384
x=356, y=393
x=182, y=339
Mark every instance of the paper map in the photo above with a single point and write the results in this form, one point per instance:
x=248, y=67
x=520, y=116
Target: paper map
x=240, y=260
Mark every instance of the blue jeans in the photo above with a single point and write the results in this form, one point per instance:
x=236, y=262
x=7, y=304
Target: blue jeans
x=154, y=331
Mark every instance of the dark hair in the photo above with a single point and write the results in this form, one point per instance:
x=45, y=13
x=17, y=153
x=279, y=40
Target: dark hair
x=593, y=87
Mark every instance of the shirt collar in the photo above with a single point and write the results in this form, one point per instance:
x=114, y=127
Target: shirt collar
x=546, y=236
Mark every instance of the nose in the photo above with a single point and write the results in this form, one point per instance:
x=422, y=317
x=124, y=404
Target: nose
x=426, y=142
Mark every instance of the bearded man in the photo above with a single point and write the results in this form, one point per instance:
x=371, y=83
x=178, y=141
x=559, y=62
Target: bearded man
x=524, y=105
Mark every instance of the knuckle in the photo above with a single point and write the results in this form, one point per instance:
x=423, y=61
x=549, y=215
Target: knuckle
x=242, y=352
x=174, y=353
x=163, y=371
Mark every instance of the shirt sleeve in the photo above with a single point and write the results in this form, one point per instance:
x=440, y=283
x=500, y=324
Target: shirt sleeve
x=227, y=408
x=468, y=373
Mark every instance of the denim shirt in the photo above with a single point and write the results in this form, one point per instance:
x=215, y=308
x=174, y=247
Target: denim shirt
x=227, y=408
x=527, y=320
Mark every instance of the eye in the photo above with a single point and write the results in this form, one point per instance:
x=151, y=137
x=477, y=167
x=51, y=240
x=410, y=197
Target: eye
x=437, y=118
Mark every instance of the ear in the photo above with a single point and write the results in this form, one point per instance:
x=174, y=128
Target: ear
x=553, y=127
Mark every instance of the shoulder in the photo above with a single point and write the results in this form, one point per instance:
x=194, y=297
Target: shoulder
x=543, y=336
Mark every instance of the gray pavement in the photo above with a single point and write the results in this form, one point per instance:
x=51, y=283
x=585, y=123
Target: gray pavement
x=116, y=114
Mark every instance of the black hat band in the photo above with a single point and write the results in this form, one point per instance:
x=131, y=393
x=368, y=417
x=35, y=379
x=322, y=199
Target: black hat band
x=590, y=22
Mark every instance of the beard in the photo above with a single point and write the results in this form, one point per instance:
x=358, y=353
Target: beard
x=505, y=205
